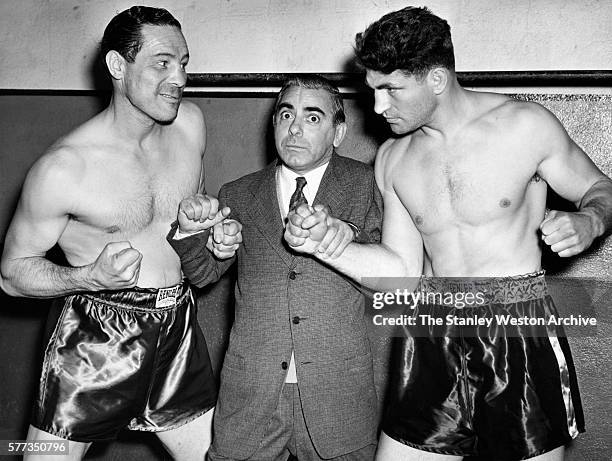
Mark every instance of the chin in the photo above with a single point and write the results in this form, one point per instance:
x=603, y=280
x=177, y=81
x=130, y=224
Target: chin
x=402, y=129
x=398, y=129
x=165, y=119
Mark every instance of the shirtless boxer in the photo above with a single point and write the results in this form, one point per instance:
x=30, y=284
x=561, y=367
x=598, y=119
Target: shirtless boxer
x=127, y=351
x=464, y=183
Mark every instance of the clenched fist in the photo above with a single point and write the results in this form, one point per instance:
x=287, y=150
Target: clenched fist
x=225, y=238
x=117, y=267
x=199, y=212
x=314, y=231
x=566, y=233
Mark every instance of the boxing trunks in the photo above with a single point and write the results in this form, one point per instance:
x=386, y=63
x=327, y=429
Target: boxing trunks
x=504, y=392
x=132, y=359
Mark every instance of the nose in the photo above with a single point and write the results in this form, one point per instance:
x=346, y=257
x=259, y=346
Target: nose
x=296, y=128
x=179, y=77
x=381, y=103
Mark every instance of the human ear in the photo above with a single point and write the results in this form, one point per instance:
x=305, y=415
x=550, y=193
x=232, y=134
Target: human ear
x=437, y=79
x=339, y=133
x=115, y=64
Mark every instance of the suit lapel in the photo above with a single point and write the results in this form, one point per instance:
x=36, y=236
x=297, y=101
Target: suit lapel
x=332, y=190
x=265, y=212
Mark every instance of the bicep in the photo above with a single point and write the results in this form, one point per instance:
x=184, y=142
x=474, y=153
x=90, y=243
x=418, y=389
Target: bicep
x=194, y=129
x=566, y=168
x=400, y=235
x=40, y=218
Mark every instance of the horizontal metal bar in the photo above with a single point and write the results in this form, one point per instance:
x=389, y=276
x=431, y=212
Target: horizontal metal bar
x=520, y=78
x=492, y=78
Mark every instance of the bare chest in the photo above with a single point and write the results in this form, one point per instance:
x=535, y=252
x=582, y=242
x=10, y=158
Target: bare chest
x=128, y=199
x=470, y=189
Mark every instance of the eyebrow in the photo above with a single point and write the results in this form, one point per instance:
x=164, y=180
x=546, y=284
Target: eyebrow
x=162, y=54
x=285, y=105
x=382, y=86
x=314, y=109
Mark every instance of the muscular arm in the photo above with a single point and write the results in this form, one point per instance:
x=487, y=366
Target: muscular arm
x=400, y=253
x=573, y=175
x=40, y=219
x=597, y=201
x=199, y=130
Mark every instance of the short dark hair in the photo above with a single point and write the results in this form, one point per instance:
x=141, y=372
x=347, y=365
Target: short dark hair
x=124, y=32
x=412, y=40
x=315, y=82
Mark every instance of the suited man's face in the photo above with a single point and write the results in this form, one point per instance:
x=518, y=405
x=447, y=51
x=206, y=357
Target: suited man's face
x=304, y=132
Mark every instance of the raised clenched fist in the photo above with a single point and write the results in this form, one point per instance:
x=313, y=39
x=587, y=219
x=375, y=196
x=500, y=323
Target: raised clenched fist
x=199, y=212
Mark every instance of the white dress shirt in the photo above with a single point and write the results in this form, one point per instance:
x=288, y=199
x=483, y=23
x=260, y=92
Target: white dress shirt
x=285, y=187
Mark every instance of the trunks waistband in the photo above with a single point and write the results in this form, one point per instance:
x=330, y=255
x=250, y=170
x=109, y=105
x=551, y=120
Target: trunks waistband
x=495, y=290
x=142, y=298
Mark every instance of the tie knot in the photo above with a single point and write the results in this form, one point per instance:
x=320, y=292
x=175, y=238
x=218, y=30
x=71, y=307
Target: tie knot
x=301, y=182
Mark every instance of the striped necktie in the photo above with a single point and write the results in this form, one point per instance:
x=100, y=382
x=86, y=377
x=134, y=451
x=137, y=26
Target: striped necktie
x=298, y=197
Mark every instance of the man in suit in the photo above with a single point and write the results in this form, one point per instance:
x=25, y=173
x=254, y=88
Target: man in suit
x=297, y=377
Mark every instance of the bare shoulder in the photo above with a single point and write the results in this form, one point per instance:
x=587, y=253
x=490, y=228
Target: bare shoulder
x=54, y=181
x=389, y=154
x=394, y=149
x=526, y=126
x=528, y=117
x=63, y=162
x=190, y=128
x=190, y=117
x=190, y=113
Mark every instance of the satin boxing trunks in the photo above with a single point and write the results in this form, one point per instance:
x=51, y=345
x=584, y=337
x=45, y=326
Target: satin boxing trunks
x=132, y=359
x=500, y=392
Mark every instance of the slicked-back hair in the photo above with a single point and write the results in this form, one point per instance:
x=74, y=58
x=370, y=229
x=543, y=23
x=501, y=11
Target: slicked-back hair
x=315, y=82
x=412, y=40
x=124, y=32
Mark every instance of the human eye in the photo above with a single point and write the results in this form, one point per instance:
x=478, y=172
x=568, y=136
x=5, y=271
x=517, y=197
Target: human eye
x=285, y=115
x=162, y=63
x=313, y=118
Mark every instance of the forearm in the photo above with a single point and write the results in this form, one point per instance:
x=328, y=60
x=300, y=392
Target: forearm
x=597, y=202
x=37, y=277
x=371, y=265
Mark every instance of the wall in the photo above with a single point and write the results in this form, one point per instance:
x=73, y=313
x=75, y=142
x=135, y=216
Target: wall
x=30, y=123
x=50, y=44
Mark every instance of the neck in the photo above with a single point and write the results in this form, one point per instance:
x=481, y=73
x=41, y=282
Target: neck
x=452, y=112
x=129, y=122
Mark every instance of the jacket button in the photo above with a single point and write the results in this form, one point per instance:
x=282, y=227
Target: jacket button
x=284, y=365
x=292, y=275
x=296, y=320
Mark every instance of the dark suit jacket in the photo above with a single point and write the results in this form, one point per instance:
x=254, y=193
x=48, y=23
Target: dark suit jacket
x=287, y=301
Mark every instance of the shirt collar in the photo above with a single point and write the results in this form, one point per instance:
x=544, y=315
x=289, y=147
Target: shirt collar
x=313, y=179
